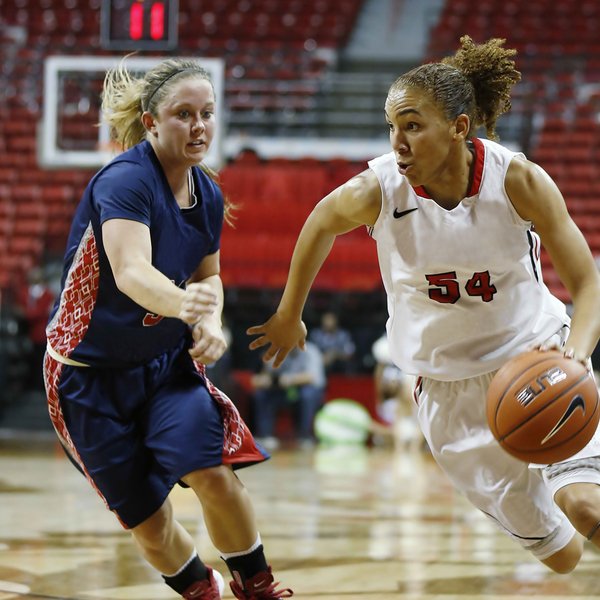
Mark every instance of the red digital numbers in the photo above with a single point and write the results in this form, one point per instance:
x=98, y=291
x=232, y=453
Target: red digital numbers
x=137, y=20
x=157, y=21
x=139, y=24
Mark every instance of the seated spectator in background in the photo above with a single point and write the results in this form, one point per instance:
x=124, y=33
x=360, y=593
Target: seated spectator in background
x=394, y=402
x=34, y=304
x=299, y=385
x=335, y=343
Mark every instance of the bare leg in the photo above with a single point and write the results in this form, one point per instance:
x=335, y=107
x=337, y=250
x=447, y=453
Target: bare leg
x=163, y=542
x=231, y=524
x=228, y=511
x=581, y=503
x=566, y=559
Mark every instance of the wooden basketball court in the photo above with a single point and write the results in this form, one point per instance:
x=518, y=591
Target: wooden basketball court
x=338, y=523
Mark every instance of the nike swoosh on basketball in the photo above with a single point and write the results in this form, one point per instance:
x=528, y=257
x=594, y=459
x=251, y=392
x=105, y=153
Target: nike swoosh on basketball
x=576, y=403
x=401, y=213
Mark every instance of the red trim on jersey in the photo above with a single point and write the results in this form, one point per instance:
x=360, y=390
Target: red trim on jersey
x=77, y=301
x=479, y=150
x=238, y=442
x=479, y=155
x=52, y=372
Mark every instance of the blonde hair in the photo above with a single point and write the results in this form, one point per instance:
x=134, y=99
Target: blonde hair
x=125, y=98
x=476, y=81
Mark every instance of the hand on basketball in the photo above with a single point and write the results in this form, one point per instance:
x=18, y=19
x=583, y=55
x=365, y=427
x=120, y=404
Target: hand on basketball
x=199, y=299
x=569, y=352
x=281, y=335
x=209, y=341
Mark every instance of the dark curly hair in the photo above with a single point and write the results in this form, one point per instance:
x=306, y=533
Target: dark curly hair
x=476, y=81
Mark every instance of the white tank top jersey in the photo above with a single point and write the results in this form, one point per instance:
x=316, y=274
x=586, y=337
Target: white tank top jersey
x=464, y=286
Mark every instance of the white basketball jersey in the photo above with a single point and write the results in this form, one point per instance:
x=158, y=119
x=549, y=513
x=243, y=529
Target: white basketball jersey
x=464, y=286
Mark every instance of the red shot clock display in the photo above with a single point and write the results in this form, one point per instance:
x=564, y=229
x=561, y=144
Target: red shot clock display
x=139, y=24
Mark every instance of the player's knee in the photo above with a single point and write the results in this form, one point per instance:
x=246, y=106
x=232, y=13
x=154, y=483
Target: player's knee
x=155, y=532
x=582, y=508
x=567, y=558
x=214, y=484
x=584, y=515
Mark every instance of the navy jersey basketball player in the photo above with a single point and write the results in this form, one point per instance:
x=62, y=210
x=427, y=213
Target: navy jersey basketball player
x=137, y=319
x=133, y=187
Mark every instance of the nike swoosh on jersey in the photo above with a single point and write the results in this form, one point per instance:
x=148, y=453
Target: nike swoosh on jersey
x=576, y=403
x=401, y=213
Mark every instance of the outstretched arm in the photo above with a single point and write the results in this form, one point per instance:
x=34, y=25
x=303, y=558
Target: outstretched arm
x=537, y=199
x=357, y=202
x=129, y=250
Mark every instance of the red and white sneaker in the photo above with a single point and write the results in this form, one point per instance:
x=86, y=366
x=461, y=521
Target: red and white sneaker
x=207, y=589
x=260, y=587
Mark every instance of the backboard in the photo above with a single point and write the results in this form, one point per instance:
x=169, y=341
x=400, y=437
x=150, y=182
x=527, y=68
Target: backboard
x=70, y=134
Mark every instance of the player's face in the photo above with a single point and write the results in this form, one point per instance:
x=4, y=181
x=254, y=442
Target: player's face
x=420, y=136
x=185, y=124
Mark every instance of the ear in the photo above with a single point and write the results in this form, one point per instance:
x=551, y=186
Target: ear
x=149, y=123
x=462, y=125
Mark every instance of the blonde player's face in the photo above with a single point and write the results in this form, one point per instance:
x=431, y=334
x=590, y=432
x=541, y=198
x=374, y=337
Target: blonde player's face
x=420, y=135
x=185, y=124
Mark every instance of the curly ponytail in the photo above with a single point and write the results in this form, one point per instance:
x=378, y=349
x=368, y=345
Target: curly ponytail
x=491, y=70
x=476, y=81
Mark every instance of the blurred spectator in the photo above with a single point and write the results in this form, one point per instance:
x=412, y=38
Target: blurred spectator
x=5, y=332
x=34, y=304
x=298, y=385
x=395, y=405
x=335, y=343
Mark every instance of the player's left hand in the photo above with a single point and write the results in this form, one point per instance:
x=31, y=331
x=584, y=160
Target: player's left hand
x=199, y=300
x=571, y=352
x=568, y=351
x=209, y=340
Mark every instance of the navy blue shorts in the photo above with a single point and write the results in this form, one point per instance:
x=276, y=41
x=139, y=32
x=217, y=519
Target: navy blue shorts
x=136, y=432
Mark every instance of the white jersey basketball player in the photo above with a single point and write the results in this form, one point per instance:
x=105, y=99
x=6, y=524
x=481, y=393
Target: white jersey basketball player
x=458, y=223
x=464, y=286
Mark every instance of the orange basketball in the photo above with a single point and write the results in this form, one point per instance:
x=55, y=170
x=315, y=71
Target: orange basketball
x=543, y=407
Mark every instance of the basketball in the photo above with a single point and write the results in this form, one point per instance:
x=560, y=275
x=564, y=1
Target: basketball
x=543, y=407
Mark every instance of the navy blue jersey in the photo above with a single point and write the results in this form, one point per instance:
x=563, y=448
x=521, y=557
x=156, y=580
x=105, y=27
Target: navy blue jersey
x=92, y=321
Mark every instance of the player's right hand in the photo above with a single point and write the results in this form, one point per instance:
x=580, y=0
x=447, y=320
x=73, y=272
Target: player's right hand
x=199, y=299
x=281, y=335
